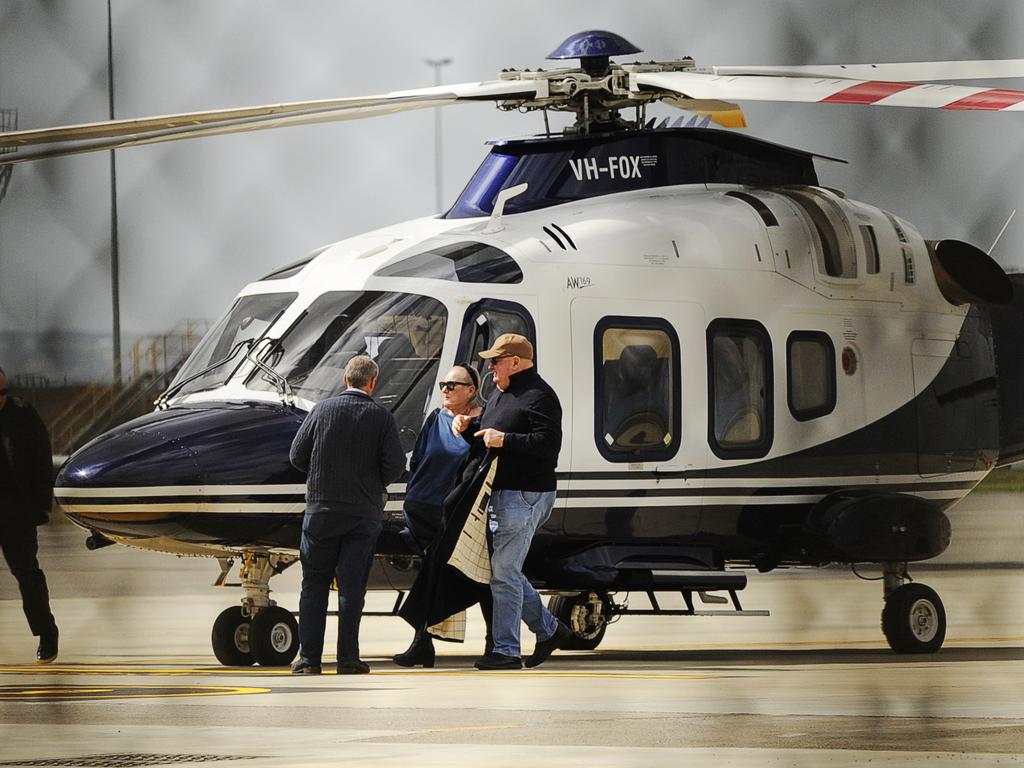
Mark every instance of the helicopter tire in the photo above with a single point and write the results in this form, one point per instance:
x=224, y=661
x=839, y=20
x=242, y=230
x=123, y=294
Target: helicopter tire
x=274, y=637
x=230, y=638
x=914, y=620
x=586, y=614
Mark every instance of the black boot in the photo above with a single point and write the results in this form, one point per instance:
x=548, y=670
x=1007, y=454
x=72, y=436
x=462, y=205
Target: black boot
x=420, y=653
x=47, y=650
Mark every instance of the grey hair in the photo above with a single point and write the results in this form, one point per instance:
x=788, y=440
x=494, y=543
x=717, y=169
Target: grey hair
x=360, y=371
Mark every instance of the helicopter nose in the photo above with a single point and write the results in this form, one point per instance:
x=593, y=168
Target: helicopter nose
x=183, y=460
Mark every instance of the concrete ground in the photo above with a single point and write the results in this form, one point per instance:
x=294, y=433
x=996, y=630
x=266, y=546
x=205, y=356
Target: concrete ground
x=813, y=684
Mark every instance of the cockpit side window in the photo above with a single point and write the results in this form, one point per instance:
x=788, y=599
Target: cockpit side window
x=740, y=386
x=402, y=332
x=484, y=322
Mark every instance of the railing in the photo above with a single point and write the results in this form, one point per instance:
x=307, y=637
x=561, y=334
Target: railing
x=154, y=362
x=8, y=122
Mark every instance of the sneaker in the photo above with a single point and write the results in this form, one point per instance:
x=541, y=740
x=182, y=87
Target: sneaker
x=545, y=648
x=498, y=661
x=355, y=667
x=302, y=667
x=47, y=650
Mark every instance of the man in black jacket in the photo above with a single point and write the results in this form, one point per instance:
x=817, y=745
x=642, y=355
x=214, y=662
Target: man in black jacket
x=26, y=492
x=522, y=424
x=349, y=447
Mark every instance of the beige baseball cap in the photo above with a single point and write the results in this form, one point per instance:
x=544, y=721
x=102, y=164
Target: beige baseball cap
x=509, y=344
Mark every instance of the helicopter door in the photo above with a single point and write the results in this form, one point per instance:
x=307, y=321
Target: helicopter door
x=635, y=366
x=484, y=322
x=946, y=423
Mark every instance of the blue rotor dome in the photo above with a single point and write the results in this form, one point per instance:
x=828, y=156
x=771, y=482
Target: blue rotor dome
x=592, y=43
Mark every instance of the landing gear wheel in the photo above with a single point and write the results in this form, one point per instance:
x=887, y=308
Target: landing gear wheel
x=274, y=637
x=586, y=615
x=913, y=619
x=230, y=638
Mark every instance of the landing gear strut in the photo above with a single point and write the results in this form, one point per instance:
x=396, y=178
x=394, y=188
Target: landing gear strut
x=258, y=631
x=913, y=618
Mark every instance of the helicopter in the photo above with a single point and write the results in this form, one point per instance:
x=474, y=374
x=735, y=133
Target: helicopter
x=756, y=371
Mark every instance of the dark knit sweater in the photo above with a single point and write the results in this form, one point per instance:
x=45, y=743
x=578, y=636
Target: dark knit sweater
x=349, y=447
x=529, y=414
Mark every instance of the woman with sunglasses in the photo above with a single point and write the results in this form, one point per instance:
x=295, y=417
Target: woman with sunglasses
x=433, y=468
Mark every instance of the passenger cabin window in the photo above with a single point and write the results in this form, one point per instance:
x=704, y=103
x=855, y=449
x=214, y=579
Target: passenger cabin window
x=638, y=413
x=740, y=385
x=484, y=322
x=838, y=254
x=811, y=361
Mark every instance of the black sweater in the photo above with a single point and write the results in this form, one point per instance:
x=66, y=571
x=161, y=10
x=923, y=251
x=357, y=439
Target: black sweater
x=349, y=446
x=529, y=414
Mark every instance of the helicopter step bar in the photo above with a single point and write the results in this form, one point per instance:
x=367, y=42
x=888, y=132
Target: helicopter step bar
x=701, y=583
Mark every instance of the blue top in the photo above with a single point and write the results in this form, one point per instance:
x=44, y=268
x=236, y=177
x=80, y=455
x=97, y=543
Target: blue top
x=435, y=461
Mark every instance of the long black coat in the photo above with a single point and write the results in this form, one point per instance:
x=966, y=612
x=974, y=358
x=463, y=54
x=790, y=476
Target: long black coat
x=440, y=590
x=26, y=448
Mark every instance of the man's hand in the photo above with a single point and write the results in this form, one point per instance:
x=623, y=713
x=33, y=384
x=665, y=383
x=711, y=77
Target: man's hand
x=492, y=437
x=460, y=423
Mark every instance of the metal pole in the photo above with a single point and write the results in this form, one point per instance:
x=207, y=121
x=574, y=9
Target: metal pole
x=438, y=148
x=115, y=266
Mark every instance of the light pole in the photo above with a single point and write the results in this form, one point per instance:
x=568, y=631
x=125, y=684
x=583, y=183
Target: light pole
x=438, y=149
x=115, y=266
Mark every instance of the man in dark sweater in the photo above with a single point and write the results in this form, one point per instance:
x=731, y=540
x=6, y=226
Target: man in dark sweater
x=349, y=447
x=522, y=423
x=26, y=492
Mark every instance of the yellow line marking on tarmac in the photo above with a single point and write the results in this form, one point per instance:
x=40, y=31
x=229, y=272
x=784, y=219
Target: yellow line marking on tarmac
x=278, y=672
x=121, y=692
x=782, y=644
x=462, y=728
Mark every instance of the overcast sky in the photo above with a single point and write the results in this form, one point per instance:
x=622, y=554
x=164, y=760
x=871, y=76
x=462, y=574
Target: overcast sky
x=200, y=219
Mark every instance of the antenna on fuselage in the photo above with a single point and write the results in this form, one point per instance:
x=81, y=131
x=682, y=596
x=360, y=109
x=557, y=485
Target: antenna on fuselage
x=996, y=241
x=495, y=225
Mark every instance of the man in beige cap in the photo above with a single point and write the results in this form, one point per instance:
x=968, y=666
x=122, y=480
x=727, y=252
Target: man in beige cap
x=522, y=423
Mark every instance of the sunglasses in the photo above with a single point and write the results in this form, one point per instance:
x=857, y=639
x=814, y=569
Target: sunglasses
x=448, y=386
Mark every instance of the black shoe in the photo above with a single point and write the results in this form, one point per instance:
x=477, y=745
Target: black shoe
x=355, y=667
x=545, y=648
x=498, y=661
x=420, y=653
x=47, y=650
x=302, y=667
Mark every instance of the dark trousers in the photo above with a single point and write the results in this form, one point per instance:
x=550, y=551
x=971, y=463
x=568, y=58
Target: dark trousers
x=20, y=546
x=335, y=545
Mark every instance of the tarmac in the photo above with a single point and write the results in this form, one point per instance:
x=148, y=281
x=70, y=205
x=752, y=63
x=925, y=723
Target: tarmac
x=813, y=684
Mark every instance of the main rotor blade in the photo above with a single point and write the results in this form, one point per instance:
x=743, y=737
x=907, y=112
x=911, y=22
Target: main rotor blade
x=116, y=134
x=734, y=88
x=910, y=71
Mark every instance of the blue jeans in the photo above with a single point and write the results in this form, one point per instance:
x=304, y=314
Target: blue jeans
x=513, y=518
x=335, y=545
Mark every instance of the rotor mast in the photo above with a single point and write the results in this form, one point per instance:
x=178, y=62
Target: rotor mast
x=597, y=90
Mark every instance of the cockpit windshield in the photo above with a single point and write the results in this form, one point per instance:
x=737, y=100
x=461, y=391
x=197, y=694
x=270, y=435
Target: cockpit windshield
x=247, y=320
x=402, y=332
